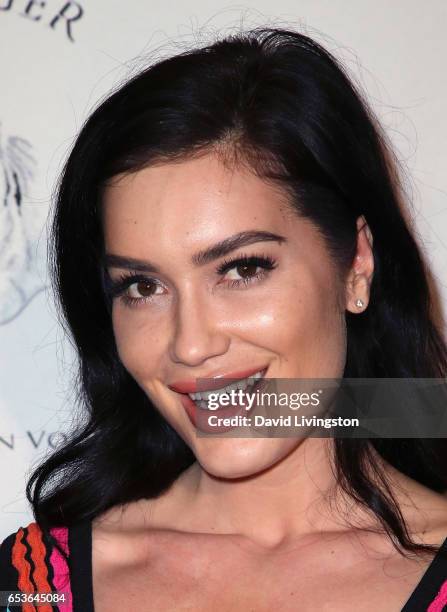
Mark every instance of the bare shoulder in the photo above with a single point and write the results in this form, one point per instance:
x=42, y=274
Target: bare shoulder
x=136, y=527
x=424, y=510
x=118, y=537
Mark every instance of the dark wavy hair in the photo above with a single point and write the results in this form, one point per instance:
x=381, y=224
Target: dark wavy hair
x=279, y=102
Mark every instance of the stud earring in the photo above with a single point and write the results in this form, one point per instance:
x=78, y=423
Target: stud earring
x=359, y=303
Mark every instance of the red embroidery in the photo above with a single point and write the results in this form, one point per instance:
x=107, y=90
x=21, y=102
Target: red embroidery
x=23, y=568
x=40, y=573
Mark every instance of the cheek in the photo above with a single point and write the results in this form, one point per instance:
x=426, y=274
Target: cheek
x=303, y=323
x=137, y=342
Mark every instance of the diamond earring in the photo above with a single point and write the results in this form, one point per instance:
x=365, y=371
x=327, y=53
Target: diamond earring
x=359, y=303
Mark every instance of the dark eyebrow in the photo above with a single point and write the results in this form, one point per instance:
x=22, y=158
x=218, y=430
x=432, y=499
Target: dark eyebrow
x=232, y=243
x=200, y=258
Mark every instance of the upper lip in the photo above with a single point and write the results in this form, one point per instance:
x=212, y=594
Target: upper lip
x=191, y=386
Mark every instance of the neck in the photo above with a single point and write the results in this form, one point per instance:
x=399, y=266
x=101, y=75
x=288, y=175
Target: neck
x=297, y=499
x=297, y=496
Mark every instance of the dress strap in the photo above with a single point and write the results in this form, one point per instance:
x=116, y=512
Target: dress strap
x=80, y=561
x=430, y=595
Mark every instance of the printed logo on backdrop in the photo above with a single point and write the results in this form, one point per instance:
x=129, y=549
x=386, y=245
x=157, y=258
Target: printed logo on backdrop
x=19, y=278
x=32, y=440
x=20, y=227
x=56, y=15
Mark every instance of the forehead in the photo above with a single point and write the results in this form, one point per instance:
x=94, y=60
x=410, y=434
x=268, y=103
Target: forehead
x=197, y=199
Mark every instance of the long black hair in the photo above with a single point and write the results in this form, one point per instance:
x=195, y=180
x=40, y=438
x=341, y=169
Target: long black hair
x=278, y=101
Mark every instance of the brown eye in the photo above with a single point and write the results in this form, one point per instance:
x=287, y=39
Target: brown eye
x=141, y=289
x=246, y=270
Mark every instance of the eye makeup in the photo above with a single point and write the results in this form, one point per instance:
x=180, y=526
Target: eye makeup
x=119, y=287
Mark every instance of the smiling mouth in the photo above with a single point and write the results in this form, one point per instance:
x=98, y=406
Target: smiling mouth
x=246, y=385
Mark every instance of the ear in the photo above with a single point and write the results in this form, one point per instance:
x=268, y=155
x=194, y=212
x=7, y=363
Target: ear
x=360, y=275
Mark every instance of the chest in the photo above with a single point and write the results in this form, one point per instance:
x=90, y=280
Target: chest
x=202, y=577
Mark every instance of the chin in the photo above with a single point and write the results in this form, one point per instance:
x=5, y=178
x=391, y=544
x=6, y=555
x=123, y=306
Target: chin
x=232, y=458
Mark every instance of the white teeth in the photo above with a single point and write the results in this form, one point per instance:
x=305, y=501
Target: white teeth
x=202, y=397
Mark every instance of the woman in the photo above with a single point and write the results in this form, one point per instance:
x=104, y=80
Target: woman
x=234, y=212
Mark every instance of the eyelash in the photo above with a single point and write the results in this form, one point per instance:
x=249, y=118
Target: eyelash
x=117, y=288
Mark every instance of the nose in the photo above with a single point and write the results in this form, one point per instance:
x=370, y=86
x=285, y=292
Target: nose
x=197, y=334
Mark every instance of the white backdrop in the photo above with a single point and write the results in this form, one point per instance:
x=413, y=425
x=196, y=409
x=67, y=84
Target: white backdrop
x=59, y=57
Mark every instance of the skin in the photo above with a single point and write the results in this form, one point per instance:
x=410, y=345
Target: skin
x=263, y=497
x=292, y=320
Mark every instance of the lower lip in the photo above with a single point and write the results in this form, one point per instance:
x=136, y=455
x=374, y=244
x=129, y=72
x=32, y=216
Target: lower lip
x=199, y=416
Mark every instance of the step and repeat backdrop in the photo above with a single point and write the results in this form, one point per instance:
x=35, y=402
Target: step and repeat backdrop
x=60, y=57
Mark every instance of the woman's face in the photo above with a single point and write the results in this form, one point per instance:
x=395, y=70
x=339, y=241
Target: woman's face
x=178, y=317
